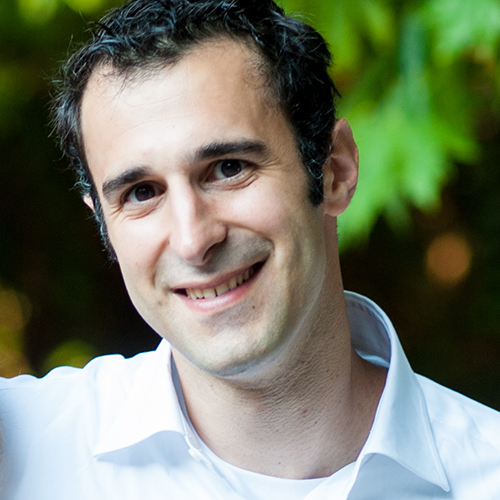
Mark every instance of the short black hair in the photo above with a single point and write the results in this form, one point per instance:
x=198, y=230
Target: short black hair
x=145, y=34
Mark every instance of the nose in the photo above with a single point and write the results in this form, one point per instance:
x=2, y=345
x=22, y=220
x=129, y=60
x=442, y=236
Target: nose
x=195, y=228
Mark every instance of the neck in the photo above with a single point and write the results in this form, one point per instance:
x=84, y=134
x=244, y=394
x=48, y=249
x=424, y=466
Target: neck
x=306, y=419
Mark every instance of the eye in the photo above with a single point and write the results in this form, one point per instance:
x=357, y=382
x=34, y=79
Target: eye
x=225, y=169
x=142, y=193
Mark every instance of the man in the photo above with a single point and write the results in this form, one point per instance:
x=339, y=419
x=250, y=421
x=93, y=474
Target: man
x=204, y=137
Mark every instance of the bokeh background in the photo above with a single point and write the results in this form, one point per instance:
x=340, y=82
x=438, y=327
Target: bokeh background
x=420, y=85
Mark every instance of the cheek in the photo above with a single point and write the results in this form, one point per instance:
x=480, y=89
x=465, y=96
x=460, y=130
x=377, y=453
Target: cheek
x=269, y=206
x=283, y=214
x=137, y=244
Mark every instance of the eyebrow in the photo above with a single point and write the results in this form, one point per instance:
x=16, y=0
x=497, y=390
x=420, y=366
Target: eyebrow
x=128, y=177
x=209, y=152
x=217, y=149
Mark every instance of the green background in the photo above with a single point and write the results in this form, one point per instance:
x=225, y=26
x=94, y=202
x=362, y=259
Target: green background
x=420, y=85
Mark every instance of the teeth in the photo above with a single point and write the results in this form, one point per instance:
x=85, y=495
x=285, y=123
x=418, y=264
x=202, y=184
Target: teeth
x=221, y=289
x=233, y=283
x=210, y=293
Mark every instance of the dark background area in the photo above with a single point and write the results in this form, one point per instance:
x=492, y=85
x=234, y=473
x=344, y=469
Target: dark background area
x=63, y=301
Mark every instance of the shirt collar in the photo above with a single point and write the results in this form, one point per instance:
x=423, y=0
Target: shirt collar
x=401, y=428
x=150, y=407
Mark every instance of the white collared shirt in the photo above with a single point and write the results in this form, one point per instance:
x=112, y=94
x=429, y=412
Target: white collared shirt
x=115, y=430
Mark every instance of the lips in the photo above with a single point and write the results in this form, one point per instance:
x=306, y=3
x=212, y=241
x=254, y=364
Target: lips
x=211, y=293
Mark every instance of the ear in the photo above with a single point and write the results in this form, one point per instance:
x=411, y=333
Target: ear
x=87, y=199
x=340, y=172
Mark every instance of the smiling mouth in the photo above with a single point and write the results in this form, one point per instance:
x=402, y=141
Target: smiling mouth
x=211, y=293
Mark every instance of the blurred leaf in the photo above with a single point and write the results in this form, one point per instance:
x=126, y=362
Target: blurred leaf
x=37, y=11
x=12, y=362
x=379, y=20
x=13, y=310
x=42, y=11
x=405, y=160
x=463, y=25
x=86, y=6
x=348, y=25
x=70, y=353
x=347, y=56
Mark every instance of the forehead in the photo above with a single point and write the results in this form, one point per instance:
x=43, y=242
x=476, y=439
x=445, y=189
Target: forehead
x=238, y=61
x=216, y=92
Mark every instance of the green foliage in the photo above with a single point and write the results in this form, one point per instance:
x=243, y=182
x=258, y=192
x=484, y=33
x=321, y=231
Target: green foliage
x=71, y=353
x=37, y=11
x=42, y=11
x=403, y=69
x=462, y=26
x=348, y=25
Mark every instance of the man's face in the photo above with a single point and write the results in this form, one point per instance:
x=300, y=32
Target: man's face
x=206, y=204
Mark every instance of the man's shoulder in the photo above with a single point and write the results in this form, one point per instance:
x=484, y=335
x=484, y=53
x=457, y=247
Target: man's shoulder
x=114, y=365
x=103, y=380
